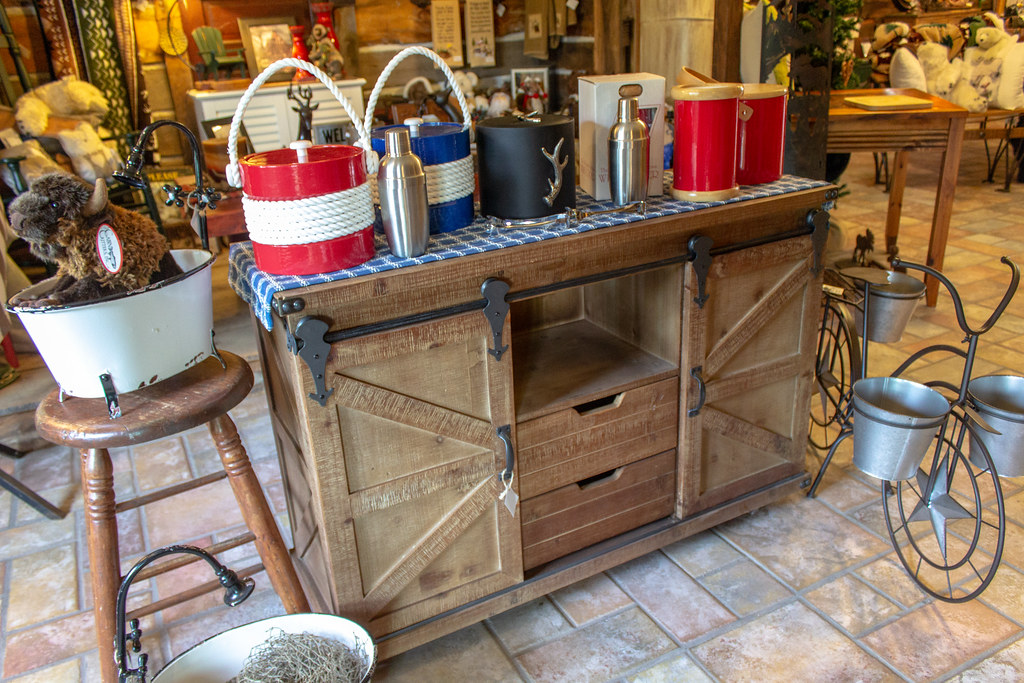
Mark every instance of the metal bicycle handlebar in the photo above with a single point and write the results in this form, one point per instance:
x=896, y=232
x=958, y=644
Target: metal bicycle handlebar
x=958, y=304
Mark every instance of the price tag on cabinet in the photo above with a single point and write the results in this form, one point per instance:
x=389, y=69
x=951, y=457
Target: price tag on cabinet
x=510, y=497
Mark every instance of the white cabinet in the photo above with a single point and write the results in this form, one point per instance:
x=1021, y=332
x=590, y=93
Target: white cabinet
x=269, y=117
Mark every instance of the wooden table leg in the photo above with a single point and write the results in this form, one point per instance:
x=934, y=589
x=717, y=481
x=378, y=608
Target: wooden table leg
x=258, y=516
x=944, y=204
x=898, y=173
x=104, y=556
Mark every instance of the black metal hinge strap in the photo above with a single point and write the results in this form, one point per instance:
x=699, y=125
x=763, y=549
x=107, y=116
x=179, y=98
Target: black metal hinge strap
x=313, y=349
x=496, y=310
x=700, y=254
x=818, y=221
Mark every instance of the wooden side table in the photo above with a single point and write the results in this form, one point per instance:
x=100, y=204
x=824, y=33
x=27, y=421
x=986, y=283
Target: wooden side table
x=201, y=394
x=941, y=126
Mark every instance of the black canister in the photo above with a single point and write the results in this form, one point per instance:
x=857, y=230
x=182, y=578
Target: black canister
x=527, y=166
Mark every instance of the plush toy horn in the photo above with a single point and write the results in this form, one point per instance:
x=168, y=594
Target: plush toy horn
x=98, y=200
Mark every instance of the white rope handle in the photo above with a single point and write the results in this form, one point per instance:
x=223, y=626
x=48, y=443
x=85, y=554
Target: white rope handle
x=233, y=175
x=371, y=103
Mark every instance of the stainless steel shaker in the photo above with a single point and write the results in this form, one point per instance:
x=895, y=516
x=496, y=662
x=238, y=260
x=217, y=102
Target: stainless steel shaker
x=628, y=154
x=403, y=196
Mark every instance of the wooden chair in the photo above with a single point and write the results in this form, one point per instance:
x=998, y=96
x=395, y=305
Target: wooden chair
x=210, y=43
x=202, y=394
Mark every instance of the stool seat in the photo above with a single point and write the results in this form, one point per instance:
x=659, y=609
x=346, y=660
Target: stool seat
x=183, y=401
x=200, y=395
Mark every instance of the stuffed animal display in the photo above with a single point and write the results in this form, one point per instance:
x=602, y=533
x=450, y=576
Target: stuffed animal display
x=100, y=249
x=68, y=97
x=941, y=75
x=989, y=73
x=949, y=79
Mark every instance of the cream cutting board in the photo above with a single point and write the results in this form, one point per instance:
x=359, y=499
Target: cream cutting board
x=887, y=102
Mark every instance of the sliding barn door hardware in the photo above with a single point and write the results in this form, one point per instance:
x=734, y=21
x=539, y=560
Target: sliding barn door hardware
x=700, y=255
x=818, y=221
x=496, y=311
x=313, y=348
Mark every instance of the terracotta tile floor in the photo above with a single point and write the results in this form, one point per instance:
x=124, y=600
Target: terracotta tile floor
x=804, y=590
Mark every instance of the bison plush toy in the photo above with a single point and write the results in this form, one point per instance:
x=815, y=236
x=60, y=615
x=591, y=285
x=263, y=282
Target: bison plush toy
x=99, y=248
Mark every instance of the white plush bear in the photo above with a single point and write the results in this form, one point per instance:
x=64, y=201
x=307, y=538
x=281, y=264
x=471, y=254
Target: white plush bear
x=987, y=60
x=993, y=42
x=941, y=75
x=68, y=97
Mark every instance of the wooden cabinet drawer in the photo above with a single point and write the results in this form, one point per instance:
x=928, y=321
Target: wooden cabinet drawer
x=573, y=444
x=583, y=513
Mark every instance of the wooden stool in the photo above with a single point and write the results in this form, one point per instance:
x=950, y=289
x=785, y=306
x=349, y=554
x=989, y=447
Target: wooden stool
x=202, y=394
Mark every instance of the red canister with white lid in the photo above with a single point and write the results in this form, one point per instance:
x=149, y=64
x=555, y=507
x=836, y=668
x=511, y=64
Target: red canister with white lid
x=704, y=148
x=762, y=137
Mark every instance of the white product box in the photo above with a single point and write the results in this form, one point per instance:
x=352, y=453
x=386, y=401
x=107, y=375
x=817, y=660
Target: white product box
x=598, y=106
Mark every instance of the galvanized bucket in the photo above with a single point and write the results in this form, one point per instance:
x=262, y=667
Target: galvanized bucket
x=999, y=399
x=895, y=422
x=890, y=307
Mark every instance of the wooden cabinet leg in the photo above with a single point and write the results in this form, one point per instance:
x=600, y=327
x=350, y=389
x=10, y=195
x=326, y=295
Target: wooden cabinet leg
x=257, y=515
x=104, y=557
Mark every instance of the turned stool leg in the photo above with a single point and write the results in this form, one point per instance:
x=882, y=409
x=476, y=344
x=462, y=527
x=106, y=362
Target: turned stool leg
x=257, y=514
x=104, y=558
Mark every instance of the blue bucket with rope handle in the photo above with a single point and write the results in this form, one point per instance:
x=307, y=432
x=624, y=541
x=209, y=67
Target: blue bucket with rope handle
x=444, y=149
x=445, y=152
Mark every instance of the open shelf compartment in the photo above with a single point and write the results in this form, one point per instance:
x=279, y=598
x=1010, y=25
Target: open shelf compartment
x=588, y=343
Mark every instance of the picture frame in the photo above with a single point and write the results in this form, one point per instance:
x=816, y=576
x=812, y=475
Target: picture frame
x=220, y=128
x=527, y=96
x=266, y=40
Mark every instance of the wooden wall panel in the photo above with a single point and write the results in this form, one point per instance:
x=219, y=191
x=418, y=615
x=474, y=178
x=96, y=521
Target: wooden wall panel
x=676, y=34
x=392, y=21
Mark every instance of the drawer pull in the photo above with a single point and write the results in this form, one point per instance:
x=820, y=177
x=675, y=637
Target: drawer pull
x=701, y=391
x=599, y=405
x=505, y=434
x=599, y=479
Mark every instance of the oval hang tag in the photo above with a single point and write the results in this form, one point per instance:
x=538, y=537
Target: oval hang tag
x=108, y=248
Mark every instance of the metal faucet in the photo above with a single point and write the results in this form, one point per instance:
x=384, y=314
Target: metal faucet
x=237, y=590
x=199, y=199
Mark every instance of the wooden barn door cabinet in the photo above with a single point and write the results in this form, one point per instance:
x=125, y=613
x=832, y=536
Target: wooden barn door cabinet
x=628, y=386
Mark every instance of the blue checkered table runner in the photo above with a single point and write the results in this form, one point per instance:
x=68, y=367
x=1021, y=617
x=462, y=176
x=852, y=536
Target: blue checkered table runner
x=257, y=288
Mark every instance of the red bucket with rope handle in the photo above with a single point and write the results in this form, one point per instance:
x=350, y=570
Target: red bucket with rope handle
x=308, y=208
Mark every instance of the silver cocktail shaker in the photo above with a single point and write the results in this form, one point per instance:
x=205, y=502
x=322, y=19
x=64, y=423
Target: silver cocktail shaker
x=628, y=154
x=403, y=196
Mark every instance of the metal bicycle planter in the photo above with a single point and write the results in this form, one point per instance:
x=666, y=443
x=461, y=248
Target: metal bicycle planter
x=941, y=495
